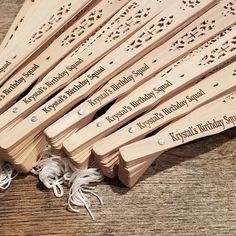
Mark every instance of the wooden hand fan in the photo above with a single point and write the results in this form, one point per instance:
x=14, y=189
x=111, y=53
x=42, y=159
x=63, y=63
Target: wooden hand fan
x=117, y=22
x=13, y=56
x=151, y=93
x=161, y=27
x=16, y=24
x=202, y=29
x=215, y=85
x=72, y=38
x=76, y=63
x=95, y=78
x=86, y=150
x=212, y=118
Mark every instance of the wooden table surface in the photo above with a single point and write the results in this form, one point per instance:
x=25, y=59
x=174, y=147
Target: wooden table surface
x=191, y=190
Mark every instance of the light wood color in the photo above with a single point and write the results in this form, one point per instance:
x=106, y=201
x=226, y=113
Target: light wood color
x=154, y=91
x=163, y=26
x=16, y=24
x=81, y=61
x=68, y=41
x=210, y=119
x=46, y=119
x=215, y=85
x=142, y=9
x=202, y=29
x=31, y=38
x=188, y=190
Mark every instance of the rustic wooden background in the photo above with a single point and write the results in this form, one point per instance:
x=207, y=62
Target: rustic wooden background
x=190, y=190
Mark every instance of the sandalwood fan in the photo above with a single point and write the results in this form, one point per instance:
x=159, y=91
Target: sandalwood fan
x=163, y=26
x=54, y=81
x=79, y=60
x=139, y=72
x=210, y=119
x=47, y=23
x=93, y=79
x=71, y=39
x=217, y=84
x=149, y=95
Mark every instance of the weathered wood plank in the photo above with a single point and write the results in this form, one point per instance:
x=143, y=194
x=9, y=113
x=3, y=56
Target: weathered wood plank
x=190, y=190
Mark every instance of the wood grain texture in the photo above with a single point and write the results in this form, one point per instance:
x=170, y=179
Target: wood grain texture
x=191, y=190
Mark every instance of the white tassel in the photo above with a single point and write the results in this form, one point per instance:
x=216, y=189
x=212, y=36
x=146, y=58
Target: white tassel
x=7, y=174
x=56, y=171
x=79, y=189
x=53, y=171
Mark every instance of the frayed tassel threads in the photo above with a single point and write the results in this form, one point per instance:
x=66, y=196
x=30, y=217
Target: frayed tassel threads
x=79, y=189
x=56, y=171
x=53, y=171
x=7, y=174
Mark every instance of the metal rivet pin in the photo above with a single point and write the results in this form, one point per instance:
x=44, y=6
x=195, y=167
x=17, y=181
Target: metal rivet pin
x=131, y=130
x=161, y=141
x=34, y=118
x=15, y=110
x=99, y=124
x=81, y=112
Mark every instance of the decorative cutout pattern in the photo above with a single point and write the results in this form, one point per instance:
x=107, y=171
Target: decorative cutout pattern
x=16, y=28
x=151, y=31
x=217, y=53
x=198, y=50
x=229, y=8
x=189, y=4
x=127, y=10
x=84, y=24
x=220, y=67
x=210, y=42
x=58, y=16
x=165, y=22
x=197, y=32
x=122, y=27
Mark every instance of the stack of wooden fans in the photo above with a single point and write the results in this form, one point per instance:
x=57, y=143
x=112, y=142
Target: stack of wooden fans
x=117, y=82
